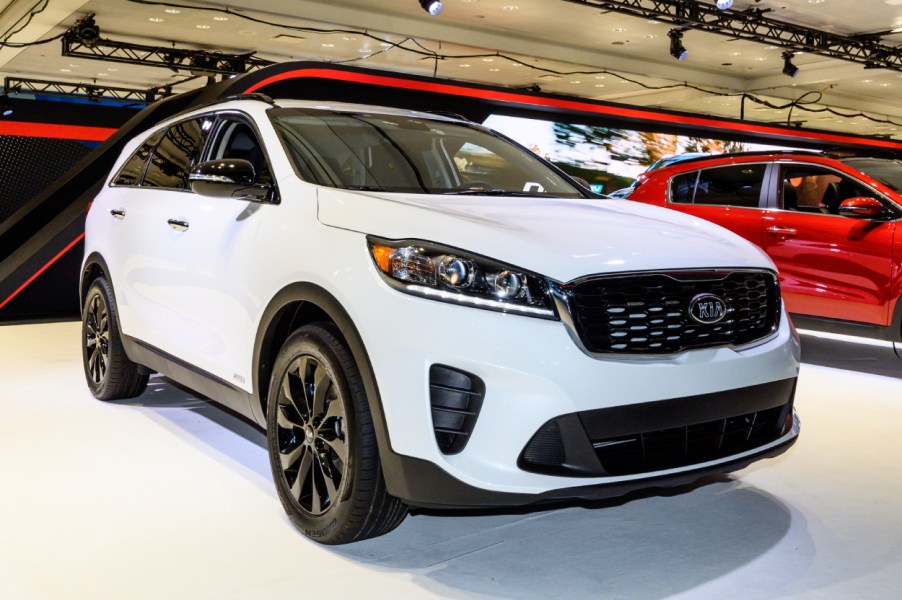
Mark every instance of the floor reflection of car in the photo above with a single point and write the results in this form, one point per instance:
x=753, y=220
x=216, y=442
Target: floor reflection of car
x=658, y=164
x=828, y=224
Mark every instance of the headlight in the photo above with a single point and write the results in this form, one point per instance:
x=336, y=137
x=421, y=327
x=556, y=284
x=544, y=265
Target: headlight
x=451, y=275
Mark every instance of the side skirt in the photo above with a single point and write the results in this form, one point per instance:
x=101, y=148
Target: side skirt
x=866, y=330
x=205, y=384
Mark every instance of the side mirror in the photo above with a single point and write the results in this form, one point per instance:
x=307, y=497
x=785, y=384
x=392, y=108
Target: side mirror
x=861, y=207
x=228, y=178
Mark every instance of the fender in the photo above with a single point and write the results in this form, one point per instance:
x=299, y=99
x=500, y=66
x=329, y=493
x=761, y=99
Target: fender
x=320, y=299
x=93, y=259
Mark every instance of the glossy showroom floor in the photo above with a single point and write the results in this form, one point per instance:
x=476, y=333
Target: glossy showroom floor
x=169, y=497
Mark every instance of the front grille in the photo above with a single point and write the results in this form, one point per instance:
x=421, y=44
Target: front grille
x=693, y=444
x=648, y=313
x=456, y=399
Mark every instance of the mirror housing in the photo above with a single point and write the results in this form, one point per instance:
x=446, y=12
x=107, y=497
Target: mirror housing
x=861, y=207
x=228, y=178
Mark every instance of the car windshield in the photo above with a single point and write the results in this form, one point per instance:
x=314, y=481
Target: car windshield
x=886, y=171
x=399, y=153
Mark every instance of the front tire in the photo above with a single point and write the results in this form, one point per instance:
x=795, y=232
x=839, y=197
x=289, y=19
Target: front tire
x=322, y=447
x=108, y=371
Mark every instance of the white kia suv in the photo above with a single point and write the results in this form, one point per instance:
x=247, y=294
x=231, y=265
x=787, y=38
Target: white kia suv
x=422, y=313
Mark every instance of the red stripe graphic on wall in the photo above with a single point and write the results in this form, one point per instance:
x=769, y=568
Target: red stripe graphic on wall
x=41, y=270
x=59, y=132
x=574, y=105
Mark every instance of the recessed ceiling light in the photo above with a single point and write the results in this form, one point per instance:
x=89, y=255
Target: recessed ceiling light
x=618, y=30
x=112, y=69
x=464, y=65
x=516, y=64
x=649, y=36
x=155, y=19
x=66, y=70
x=202, y=26
x=488, y=60
x=348, y=38
x=327, y=45
x=867, y=81
x=511, y=7
x=815, y=1
x=735, y=53
x=599, y=85
x=494, y=70
x=760, y=58
x=385, y=44
x=600, y=77
x=102, y=74
x=172, y=11
x=576, y=81
x=885, y=84
x=220, y=18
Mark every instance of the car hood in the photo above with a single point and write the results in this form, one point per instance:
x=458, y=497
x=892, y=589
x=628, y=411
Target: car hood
x=560, y=238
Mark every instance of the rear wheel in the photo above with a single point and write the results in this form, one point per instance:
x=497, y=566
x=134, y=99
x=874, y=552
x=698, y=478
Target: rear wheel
x=108, y=371
x=322, y=446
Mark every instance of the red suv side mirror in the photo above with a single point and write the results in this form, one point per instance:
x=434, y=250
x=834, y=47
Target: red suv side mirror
x=861, y=207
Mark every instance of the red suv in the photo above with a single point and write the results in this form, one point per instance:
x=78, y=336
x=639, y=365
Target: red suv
x=828, y=223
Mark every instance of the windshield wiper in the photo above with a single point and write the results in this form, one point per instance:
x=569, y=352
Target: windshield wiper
x=496, y=192
x=365, y=188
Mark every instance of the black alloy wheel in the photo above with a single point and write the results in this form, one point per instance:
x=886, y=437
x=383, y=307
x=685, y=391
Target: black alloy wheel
x=322, y=445
x=312, y=434
x=97, y=338
x=108, y=371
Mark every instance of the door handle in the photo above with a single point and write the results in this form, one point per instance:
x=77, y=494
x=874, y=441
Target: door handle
x=178, y=224
x=119, y=213
x=790, y=231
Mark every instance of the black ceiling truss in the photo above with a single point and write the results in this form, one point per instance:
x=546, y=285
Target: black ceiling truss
x=753, y=24
x=17, y=85
x=83, y=40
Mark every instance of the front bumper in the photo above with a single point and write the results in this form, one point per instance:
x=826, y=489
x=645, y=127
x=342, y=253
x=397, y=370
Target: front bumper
x=533, y=373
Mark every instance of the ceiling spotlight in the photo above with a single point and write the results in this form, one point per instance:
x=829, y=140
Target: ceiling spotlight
x=723, y=4
x=433, y=7
x=677, y=50
x=86, y=31
x=788, y=68
x=5, y=108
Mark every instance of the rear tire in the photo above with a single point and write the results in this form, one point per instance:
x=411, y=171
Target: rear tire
x=322, y=446
x=108, y=371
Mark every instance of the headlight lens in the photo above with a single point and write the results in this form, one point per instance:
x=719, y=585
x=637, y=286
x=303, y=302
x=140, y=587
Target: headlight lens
x=450, y=275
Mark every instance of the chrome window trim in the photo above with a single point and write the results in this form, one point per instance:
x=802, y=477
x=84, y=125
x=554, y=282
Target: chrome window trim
x=563, y=300
x=669, y=199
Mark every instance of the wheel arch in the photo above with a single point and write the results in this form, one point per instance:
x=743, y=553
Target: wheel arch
x=294, y=306
x=93, y=267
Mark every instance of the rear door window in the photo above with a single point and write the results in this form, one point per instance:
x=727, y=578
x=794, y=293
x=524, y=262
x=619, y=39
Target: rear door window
x=132, y=171
x=733, y=185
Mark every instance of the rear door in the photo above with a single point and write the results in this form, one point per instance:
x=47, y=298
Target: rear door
x=830, y=265
x=731, y=196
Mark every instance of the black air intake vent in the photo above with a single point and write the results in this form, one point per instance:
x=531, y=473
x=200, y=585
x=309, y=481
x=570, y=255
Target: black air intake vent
x=456, y=398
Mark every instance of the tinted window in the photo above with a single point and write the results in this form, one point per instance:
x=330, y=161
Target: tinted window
x=735, y=185
x=886, y=171
x=234, y=138
x=133, y=169
x=817, y=189
x=176, y=153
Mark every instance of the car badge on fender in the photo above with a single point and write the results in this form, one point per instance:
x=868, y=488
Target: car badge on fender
x=707, y=309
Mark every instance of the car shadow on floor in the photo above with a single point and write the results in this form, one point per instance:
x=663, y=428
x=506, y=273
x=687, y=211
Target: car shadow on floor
x=646, y=545
x=863, y=357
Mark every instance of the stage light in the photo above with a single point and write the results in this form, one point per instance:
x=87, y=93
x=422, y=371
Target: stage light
x=789, y=68
x=677, y=50
x=5, y=108
x=723, y=4
x=86, y=31
x=433, y=7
